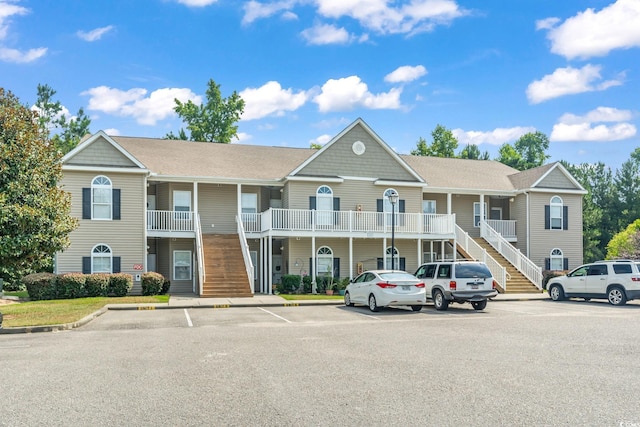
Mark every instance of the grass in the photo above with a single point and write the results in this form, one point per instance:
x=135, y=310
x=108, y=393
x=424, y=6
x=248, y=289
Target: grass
x=55, y=312
x=293, y=297
x=19, y=294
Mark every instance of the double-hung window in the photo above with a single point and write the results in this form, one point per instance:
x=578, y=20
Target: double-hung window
x=181, y=265
x=101, y=198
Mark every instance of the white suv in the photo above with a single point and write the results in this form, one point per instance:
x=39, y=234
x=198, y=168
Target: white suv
x=457, y=281
x=617, y=281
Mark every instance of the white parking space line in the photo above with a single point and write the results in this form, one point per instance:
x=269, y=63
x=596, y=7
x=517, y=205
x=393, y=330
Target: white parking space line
x=189, y=322
x=273, y=314
x=368, y=316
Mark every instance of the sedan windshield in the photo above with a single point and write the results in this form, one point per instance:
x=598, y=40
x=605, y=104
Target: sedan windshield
x=397, y=276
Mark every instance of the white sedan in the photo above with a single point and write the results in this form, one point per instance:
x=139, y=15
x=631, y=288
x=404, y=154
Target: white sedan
x=382, y=288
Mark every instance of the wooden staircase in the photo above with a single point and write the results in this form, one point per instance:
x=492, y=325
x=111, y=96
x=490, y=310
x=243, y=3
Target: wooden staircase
x=225, y=272
x=518, y=283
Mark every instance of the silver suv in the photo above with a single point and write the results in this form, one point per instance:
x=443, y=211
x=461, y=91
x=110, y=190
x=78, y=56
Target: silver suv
x=457, y=281
x=617, y=281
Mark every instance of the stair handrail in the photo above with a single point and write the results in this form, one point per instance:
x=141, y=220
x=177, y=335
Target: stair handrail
x=479, y=253
x=512, y=254
x=200, y=250
x=248, y=264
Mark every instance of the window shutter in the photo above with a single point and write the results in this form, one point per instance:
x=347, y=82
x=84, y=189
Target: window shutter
x=116, y=203
x=402, y=264
x=380, y=264
x=565, y=217
x=547, y=217
x=313, y=277
x=547, y=263
x=401, y=217
x=116, y=264
x=336, y=208
x=312, y=203
x=336, y=268
x=86, y=265
x=86, y=203
x=565, y=263
x=380, y=208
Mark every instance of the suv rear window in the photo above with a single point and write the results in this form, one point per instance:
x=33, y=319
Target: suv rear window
x=468, y=271
x=622, y=268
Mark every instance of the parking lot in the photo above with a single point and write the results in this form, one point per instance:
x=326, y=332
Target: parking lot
x=519, y=362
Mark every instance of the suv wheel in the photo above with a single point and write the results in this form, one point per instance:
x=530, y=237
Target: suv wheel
x=373, y=305
x=556, y=293
x=479, y=305
x=616, y=296
x=439, y=301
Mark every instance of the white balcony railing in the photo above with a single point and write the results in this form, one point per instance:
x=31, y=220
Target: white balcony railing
x=276, y=219
x=505, y=228
x=170, y=221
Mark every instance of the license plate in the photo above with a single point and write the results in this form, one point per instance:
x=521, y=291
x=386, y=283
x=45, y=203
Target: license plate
x=474, y=286
x=406, y=288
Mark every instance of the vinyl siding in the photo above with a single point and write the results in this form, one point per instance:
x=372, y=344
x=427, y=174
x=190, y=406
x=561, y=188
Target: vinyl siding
x=543, y=241
x=218, y=207
x=556, y=179
x=100, y=153
x=441, y=201
x=352, y=193
x=518, y=211
x=340, y=160
x=180, y=286
x=125, y=237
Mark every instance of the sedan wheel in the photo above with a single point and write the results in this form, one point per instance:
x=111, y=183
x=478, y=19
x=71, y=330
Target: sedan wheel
x=439, y=301
x=556, y=293
x=616, y=296
x=373, y=305
x=416, y=307
x=347, y=300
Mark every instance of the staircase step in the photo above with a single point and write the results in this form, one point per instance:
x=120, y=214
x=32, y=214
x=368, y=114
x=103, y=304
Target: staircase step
x=225, y=272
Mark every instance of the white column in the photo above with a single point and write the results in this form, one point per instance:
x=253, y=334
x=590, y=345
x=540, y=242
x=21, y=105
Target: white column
x=312, y=267
x=269, y=256
x=350, y=258
x=482, y=213
x=239, y=196
x=448, y=203
x=419, y=252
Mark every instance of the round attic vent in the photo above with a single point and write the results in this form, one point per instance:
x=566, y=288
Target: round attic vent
x=358, y=147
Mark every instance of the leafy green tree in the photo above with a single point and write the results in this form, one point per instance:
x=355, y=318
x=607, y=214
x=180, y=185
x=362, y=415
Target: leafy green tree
x=626, y=184
x=65, y=133
x=34, y=212
x=626, y=244
x=444, y=144
x=529, y=151
x=213, y=121
x=472, y=151
x=315, y=146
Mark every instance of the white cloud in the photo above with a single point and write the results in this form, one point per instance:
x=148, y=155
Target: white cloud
x=406, y=73
x=376, y=15
x=147, y=110
x=568, y=81
x=321, y=140
x=197, y=3
x=7, y=10
x=596, y=33
x=497, y=136
x=322, y=34
x=242, y=137
x=112, y=131
x=14, y=55
x=546, y=24
x=93, y=35
x=254, y=10
x=571, y=127
x=270, y=99
x=347, y=93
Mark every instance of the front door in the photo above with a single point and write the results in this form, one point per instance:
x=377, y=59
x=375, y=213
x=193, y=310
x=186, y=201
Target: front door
x=277, y=268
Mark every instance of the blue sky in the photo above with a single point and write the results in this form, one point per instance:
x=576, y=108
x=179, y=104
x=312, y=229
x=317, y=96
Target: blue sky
x=490, y=70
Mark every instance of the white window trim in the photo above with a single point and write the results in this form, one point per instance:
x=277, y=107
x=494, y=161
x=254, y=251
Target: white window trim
x=190, y=264
x=426, y=203
x=324, y=252
x=476, y=224
x=102, y=186
x=387, y=258
x=556, y=254
x=101, y=255
x=556, y=201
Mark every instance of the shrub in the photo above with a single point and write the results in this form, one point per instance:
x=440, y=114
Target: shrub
x=549, y=274
x=71, y=285
x=290, y=283
x=120, y=284
x=307, y=285
x=41, y=286
x=165, y=286
x=152, y=283
x=96, y=284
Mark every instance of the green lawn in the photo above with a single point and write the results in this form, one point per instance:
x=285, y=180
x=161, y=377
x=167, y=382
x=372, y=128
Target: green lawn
x=55, y=312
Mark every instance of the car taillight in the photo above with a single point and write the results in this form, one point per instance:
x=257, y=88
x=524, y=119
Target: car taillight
x=452, y=285
x=386, y=285
x=635, y=278
x=420, y=285
x=494, y=284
